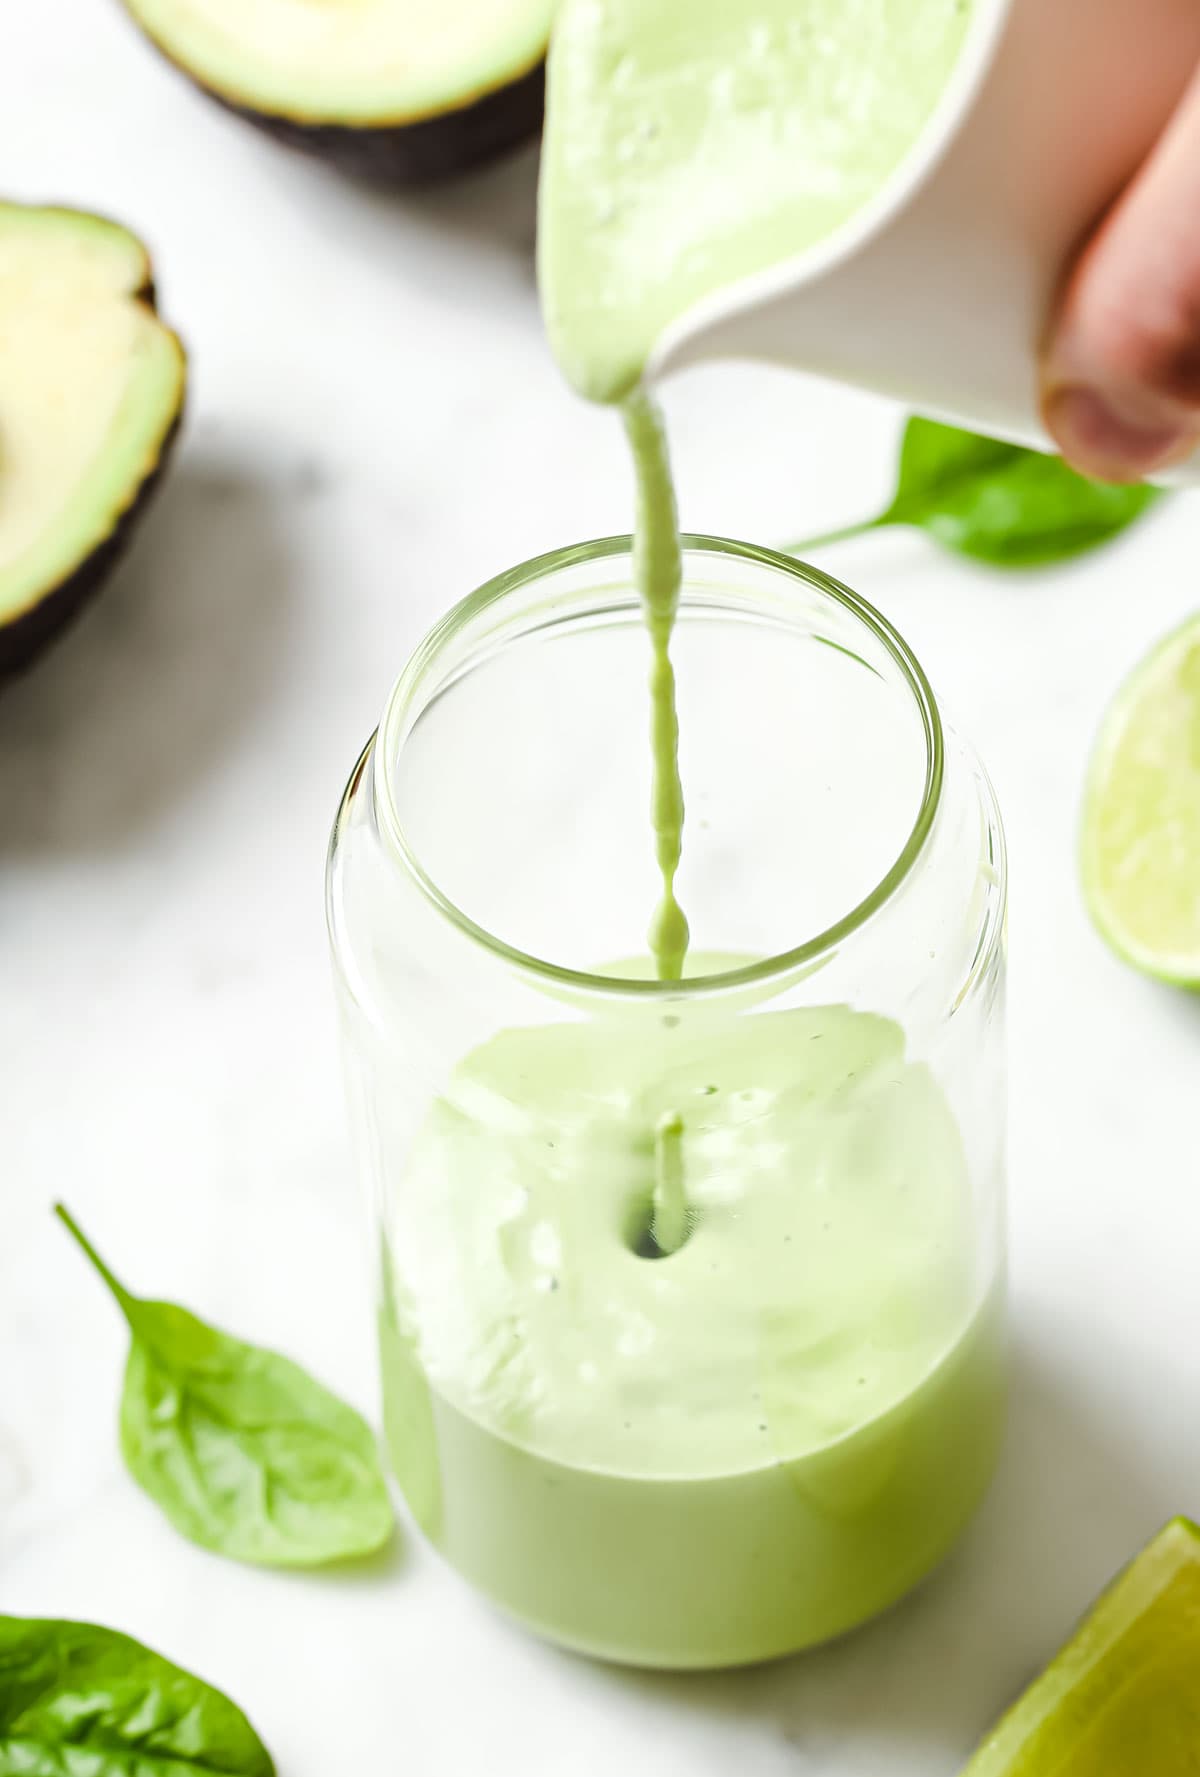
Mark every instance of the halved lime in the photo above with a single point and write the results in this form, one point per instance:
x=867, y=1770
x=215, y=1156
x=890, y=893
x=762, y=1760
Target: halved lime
x=1141, y=822
x=1123, y=1698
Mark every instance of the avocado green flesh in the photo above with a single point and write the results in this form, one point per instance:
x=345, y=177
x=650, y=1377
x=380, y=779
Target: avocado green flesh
x=693, y=143
x=356, y=62
x=1123, y=1697
x=91, y=385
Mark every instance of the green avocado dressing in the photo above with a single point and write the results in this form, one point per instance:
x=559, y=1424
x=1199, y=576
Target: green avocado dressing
x=690, y=144
x=693, y=143
x=689, y=1355
x=684, y=1353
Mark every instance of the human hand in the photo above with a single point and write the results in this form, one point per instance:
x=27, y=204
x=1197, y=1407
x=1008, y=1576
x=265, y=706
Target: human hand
x=1121, y=369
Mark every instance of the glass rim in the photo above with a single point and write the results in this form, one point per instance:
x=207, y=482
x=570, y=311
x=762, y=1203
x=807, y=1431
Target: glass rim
x=778, y=967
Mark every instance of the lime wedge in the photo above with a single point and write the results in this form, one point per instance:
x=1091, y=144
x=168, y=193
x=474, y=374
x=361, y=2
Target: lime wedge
x=1123, y=1698
x=1141, y=824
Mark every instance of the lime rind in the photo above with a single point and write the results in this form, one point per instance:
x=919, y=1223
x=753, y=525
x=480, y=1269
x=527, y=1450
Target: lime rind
x=1119, y=1673
x=1140, y=852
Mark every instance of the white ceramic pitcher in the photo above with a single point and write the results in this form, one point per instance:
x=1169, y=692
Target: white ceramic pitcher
x=939, y=292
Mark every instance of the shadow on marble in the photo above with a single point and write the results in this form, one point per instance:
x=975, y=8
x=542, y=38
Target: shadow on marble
x=153, y=684
x=1067, y=1509
x=492, y=211
x=1180, y=1006
x=496, y=205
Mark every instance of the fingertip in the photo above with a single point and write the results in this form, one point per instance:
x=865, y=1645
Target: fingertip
x=1102, y=438
x=1121, y=368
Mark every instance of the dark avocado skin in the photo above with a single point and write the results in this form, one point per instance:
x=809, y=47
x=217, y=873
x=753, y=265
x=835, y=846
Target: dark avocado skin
x=417, y=153
x=24, y=638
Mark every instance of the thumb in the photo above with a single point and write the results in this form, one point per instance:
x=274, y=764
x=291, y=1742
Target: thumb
x=1121, y=371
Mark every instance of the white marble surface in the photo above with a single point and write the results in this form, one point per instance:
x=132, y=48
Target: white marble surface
x=374, y=427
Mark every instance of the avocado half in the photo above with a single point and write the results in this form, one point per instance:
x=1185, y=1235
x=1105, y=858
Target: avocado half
x=91, y=393
x=400, y=91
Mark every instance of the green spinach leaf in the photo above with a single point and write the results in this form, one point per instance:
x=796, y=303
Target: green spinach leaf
x=998, y=503
x=243, y=1450
x=80, y=1701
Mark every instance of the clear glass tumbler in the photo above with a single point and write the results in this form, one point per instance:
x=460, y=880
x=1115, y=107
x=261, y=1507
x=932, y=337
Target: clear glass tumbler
x=690, y=1295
